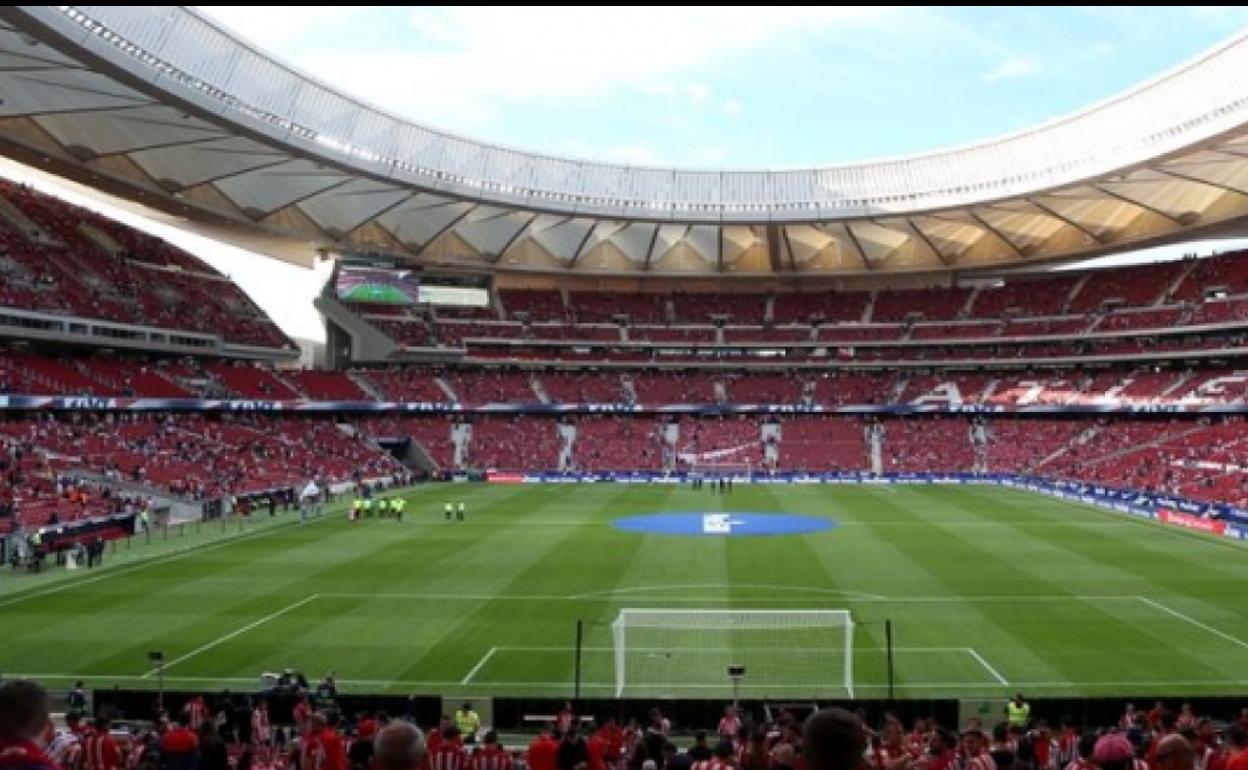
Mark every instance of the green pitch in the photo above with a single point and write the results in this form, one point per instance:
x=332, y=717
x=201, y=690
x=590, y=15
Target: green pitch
x=988, y=590
x=376, y=292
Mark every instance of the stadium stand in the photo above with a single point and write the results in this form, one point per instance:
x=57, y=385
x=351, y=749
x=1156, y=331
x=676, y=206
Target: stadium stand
x=68, y=261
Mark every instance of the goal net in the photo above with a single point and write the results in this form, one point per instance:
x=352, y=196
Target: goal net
x=784, y=652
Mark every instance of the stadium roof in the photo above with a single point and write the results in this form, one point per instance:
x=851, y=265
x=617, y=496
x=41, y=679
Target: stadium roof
x=162, y=105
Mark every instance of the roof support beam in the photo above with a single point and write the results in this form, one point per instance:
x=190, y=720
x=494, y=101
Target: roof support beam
x=1228, y=151
x=719, y=249
x=239, y=172
x=788, y=245
x=1132, y=202
x=923, y=237
x=513, y=238
x=421, y=249
x=377, y=217
x=1198, y=180
x=82, y=110
x=862, y=253
x=309, y=196
x=1000, y=236
x=654, y=238
x=576, y=255
x=1063, y=218
x=160, y=146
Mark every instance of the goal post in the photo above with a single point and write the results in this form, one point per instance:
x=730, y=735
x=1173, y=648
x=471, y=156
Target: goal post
x=785, y=652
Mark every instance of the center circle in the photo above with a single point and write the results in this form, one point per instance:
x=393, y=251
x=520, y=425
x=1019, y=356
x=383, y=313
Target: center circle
x=723, y=523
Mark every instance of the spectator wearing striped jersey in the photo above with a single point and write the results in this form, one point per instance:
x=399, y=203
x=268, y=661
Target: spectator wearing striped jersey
x=892, y=753
x=975, y=750
x=65, y=748
x=566, y=716
x=449, y=753
x=1083, y=759
x=99, y=750
x=311, y=749
x=834, y=739
x=194, y=712
x=729, y=724
x=942, y=751
x=491, y=756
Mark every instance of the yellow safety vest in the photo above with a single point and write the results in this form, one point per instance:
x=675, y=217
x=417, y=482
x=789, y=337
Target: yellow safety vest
x=1017, y=715
x=467, y=721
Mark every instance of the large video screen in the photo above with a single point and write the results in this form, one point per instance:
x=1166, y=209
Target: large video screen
x=378, y=285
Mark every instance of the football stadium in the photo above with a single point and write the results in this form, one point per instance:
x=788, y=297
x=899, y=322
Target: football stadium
x=605, y=456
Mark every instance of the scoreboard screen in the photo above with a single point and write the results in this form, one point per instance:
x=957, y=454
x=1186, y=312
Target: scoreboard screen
x=388, y=286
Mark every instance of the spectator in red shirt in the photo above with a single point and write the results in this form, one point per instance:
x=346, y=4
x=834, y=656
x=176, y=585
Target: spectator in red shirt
x=365, y=727
x=24, y=719
x=1154, y=715
x=434, y=739
x=541, y=754
x=331, y=740
x=596, y=747
x=612, y=741
x=178, y=748
x=1237, y=747
x=302, y=712
x=312, y=753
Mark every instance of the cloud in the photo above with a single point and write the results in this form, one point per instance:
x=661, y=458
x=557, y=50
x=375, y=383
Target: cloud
x=733, y=108
x=274, y=26
x=459, y=63
x=699, y=95
x=1011, y=69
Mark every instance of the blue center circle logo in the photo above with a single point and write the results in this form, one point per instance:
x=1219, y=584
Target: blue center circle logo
x=724, y=523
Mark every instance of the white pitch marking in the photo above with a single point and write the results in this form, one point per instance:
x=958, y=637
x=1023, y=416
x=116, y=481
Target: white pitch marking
x=484, y=658
x=985, y=664
x=1193, y=621
x=231, y=635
